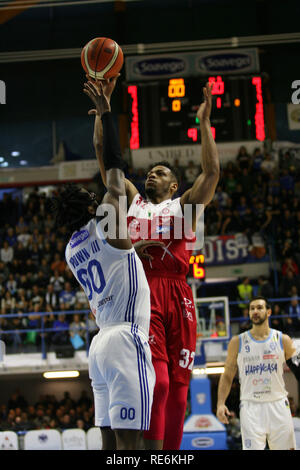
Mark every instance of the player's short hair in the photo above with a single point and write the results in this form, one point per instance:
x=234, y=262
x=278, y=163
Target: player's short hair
x=175, y=172
x=70, y=207
x=261, y=297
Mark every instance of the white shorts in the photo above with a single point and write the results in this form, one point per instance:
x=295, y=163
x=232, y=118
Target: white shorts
x=122, y=376
x=269, y=421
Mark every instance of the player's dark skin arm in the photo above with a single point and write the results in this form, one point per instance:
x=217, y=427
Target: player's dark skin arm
x=115, y=184
x=130, y=189
x=203, y=189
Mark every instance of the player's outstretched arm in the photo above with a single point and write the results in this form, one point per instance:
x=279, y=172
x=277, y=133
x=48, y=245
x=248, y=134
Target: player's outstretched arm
x=113, y=164
x=203, y=189
x=226, y=380
x=109, y=85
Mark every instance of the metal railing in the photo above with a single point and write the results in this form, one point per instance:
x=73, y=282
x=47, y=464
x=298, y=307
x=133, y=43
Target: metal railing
x=43, y=330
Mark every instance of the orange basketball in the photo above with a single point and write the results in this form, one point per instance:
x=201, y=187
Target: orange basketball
x=102, y=58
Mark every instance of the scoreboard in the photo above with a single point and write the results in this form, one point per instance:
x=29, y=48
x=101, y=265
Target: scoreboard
x=163, y=112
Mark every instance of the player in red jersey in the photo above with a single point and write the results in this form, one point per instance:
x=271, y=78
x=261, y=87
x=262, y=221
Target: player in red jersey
x=154, y=224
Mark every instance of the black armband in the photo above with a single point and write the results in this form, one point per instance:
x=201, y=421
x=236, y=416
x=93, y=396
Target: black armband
x=112, y=156
x=294, y=365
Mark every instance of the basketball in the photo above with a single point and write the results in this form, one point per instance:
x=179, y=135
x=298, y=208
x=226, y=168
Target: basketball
x=102, y=58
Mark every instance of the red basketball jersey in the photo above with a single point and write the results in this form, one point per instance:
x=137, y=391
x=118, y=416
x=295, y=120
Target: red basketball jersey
x=167, y=223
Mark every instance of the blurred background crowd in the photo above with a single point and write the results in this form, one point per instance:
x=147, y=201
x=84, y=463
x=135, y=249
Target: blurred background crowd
x=256, y=194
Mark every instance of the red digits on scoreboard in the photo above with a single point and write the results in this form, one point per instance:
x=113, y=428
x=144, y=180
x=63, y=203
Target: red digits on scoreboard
x=218, y=85
x=192, y=133
x=259, y=113
x=135, y=137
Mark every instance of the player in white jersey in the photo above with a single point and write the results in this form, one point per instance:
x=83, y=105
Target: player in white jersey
x=259, y=355
x=107, y=267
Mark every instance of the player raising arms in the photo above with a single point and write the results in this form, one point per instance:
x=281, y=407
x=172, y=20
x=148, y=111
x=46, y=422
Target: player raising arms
x=172, y=333
x=113, y=278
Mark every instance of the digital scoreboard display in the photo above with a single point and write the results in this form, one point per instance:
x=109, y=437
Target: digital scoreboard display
x=164, y=112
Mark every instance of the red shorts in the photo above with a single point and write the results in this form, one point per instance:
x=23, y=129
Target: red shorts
x=173, y=325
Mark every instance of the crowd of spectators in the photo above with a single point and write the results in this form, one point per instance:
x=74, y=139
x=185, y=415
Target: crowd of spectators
x=256, y=194
x=47, y=413
x=35, y=279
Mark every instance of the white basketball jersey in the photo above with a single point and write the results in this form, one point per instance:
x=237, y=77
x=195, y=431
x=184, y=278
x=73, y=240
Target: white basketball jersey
x=260, y=365
x=113, y=279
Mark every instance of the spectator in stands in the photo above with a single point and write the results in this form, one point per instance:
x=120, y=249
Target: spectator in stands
x=11, y=284
x=47, y=252
x=51, y=298
x=265, y=288
x=16, y=339
x=60, y=337
x=287, y=250
x=36, y=224
x=84, y=400
x=4, y=272
x=268, y=166
x=17, y=400
x=243, y=159
x=257, y=159
x=221, y=196
x=67, y=297
x=287, y=181
x=277, y=323
x=273, y=185
x=80, y=424
x=58, y=281
x=11, y=237
x=246, y=324
x=35, y=254
x=190, y=174
x=21, y=300
x=287, y=161
x=230, y=184
x=81, y=300
x=213, y=219
x=245, y=293
x=8, y=303
x=34, y=323
x=6, y=253
x=287, y=283
x=20, y=252
x=21, y=224
x=247, y=181
x=230, y=224
x=35, y=298
x=237, y=194
x=293, y=322
x=58, y=264
x=77, y=327
x=289, y=265
x=22, y=423
x=24, y=236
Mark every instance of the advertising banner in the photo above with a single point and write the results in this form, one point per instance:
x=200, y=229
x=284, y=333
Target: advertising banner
x=234, y=249
x=188, y=64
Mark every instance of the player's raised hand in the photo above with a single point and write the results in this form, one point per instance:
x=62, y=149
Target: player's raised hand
x=105, y=86
x=204, y=110
x=96, y=93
